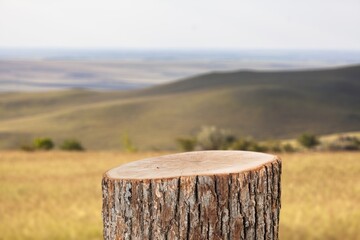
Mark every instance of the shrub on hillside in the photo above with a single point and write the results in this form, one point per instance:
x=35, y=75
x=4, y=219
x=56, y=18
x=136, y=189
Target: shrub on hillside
x=241, y=144
x=308, y=140
x=258, y=148
x=345, y=143
x=71, y=145
x=248, y=145
x=186, y=144
x=288, y=148
x=274, y=146
x=43, y=144
x=213, y=138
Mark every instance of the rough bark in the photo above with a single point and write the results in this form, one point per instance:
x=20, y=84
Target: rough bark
x=243, y=205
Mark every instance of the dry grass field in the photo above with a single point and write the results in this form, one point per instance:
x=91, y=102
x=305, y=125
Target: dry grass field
x=57, y=195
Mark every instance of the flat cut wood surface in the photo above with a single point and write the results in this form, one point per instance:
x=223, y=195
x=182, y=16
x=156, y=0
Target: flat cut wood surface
x=199, y=163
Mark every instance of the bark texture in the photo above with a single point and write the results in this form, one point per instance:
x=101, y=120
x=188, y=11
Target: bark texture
x=243, y=205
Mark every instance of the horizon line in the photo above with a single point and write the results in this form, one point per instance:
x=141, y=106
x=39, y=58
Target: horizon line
x=176, y=49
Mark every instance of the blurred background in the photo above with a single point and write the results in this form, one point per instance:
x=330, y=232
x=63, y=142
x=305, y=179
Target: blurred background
x=88, y=85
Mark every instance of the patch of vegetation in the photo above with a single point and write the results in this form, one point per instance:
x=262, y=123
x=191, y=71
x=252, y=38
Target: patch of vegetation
x=213, y=138
x=208, y=138
x=43, y=144
x=248, y=145
x=345, y=143
x=186, y=144
x=71, y=145
x=308, y=140
x=273, y=146
x=288, y=148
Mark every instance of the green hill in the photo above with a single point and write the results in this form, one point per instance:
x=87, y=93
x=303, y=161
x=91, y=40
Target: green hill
x=264, y=105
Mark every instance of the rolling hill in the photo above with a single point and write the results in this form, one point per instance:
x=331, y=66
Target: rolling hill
x=264, y=105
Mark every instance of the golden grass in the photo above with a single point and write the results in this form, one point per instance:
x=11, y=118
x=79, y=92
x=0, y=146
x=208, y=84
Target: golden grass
x=57, y=195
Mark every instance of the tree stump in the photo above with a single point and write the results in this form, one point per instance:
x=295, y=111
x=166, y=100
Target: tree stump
x=194, y=195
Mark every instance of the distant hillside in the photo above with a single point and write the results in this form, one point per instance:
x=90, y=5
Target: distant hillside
x=264, y=105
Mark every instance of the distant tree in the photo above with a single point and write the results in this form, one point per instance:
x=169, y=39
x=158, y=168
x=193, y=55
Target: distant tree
x=186, y=144
x=213, y=138
x=71, y=145
x=43, y=144
x=127, y=144
x=308, y=140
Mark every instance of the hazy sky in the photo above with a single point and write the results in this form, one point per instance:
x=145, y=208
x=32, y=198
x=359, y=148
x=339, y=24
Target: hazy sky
x=255, y=24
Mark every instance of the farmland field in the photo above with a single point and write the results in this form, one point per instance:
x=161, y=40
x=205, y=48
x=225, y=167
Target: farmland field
x=57, y=195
